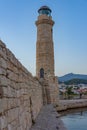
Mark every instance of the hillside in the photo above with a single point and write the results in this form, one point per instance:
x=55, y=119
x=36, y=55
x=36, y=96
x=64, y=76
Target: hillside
x=71, y=76
x=76, y=81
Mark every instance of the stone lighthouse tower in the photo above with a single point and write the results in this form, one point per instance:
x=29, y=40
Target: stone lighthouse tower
x=45, y=54
x=44, y=47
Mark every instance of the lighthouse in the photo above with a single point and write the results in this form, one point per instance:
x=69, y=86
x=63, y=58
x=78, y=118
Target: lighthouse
x=45, y=56
x=44, y=45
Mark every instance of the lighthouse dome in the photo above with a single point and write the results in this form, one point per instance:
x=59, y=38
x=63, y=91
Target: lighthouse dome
x=45, y=10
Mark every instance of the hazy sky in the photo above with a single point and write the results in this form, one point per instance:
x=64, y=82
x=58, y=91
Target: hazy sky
x=18, y=32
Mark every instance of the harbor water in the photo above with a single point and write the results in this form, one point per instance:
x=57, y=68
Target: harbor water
x=75, y=119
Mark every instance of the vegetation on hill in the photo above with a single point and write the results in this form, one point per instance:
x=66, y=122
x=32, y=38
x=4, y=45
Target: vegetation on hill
x=75, y=81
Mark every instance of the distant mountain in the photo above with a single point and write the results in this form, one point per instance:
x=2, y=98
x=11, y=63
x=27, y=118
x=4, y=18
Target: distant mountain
x=71, y=76
x=76, y=81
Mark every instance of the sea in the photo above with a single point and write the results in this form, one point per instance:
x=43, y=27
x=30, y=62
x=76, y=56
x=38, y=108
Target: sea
x=75, y=119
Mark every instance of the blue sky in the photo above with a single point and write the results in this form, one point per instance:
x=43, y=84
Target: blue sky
x=18, y=32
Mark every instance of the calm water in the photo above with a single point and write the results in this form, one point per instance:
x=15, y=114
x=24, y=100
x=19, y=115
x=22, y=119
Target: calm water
x=76, y=120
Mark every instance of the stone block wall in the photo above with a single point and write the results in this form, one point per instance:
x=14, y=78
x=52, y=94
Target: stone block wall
x=20, y=93
x=53, y=89
x=50, y=90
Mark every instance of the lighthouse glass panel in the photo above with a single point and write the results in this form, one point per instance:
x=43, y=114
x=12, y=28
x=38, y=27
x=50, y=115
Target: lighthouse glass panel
x=47, y=12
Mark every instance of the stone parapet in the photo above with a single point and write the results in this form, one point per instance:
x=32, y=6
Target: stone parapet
x=64, y=105
x=20, y=93
x=44, y=21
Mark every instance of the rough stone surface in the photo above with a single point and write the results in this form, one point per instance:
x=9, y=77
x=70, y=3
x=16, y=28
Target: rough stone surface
x=48, y=120
x=63, y=105
x=20, y=93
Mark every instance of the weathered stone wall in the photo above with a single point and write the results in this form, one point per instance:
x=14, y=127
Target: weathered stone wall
x=20, y=93
x=64, y=105
x=50, y=90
